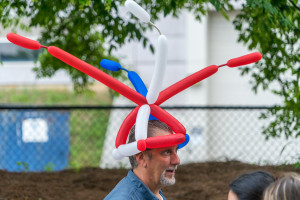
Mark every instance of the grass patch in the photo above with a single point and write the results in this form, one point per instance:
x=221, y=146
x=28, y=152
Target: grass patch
x=53, y=96
x=88, y=130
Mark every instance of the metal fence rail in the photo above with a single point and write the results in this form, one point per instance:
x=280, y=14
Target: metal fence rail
x=38, y=138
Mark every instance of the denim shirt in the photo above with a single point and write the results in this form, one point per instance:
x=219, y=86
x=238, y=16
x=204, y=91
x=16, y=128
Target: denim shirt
x=132, y=188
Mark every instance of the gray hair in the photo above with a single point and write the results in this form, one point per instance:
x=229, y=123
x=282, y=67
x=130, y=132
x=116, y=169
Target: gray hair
x=153, y=126
x=286, y=187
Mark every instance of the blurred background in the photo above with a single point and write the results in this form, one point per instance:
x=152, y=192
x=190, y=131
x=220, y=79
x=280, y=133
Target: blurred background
x=52, y=118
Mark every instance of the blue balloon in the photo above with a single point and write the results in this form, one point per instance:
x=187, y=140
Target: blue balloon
x=187, y=139
x=137, y=83
x=110, y=65
x=151, y=117
x=139, y=86
x=135, y=79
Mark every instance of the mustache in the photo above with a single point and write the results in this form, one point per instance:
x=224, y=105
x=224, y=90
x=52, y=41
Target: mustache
x=171, y=168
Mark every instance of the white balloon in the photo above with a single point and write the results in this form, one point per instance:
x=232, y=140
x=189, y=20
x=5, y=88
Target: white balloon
x=141, y=125
x=128, y=149
x=159, y=70
x=137, y=11
x=116, y=155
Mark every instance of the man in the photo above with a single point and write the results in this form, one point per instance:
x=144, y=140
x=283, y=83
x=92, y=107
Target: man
x=152, y=169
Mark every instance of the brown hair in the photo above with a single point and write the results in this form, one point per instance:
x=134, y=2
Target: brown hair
x=153, y=127
x=285, y=188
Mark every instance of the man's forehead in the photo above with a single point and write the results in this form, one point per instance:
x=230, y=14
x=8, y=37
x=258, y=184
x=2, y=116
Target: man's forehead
x=160, y=132
x=172, y=148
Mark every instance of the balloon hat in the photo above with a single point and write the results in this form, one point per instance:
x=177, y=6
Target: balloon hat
x=147, y=101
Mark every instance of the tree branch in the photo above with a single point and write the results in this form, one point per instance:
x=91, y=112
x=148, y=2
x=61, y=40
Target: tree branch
x=294, y=5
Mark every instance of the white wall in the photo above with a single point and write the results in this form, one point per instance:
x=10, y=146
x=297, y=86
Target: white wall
x=227, y=86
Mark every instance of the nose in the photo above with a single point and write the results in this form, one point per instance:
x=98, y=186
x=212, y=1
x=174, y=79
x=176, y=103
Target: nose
x=175, y=159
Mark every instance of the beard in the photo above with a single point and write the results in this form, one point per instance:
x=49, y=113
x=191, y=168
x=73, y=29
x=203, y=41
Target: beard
x=167, y=181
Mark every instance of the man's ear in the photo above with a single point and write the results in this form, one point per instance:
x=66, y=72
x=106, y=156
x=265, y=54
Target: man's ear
x=141, y=159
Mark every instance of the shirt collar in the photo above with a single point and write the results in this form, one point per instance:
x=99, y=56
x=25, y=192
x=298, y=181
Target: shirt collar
x=141, y=186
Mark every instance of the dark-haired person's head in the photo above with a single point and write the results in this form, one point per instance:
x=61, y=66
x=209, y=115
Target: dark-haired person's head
x=250, y=186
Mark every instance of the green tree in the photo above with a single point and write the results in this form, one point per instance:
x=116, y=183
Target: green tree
x=273, y=28
x=81, y=27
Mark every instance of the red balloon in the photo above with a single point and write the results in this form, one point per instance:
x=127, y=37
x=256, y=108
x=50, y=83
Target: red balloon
x=168, y=119
x=185, y=83
x=164, y=141
x=244, y=60
x=162, y=115
x=97, y=74
x=23, y=41
x=141, y=145
x=126, y=126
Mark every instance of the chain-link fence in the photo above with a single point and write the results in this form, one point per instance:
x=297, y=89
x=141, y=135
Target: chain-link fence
x=55, y=138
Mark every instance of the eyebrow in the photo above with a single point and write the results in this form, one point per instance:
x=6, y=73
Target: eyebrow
x=170, y=149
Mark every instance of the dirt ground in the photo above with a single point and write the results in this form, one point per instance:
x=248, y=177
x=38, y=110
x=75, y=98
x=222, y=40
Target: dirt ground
x=194, y=181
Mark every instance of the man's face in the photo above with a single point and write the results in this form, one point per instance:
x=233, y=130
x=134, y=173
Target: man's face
x=163, y=163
